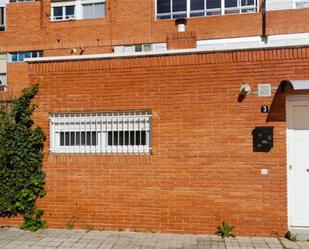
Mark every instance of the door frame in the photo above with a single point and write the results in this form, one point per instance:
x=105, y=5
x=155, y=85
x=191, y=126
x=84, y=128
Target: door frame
x=290, y=100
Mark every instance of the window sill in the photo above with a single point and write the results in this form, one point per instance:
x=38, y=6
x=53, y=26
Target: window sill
x=63, y=20
x=196, y=17
x=83, y=19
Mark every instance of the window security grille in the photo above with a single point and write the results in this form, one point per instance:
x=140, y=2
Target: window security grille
x=108, y=132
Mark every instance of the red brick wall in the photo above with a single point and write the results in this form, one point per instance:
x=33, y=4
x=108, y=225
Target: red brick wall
x=126, y=22
x=203, y=169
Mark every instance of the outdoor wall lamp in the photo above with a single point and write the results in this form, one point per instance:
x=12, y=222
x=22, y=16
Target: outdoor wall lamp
x=181, y=24
x=245, y=89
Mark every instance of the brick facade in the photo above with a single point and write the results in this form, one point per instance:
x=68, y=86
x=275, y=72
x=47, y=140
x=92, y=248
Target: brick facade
x=28, y=28
x=202, y=170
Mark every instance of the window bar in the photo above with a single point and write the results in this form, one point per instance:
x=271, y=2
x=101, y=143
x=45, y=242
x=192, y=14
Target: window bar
x=96, y=132
x=129, y=135
x=101, y=136
x=85, y=133
x=112, y=133
x=123, y=135
x=148, y=135
x=69, y=133
x=145, y=128
x=134, y=135
x=139, y=132
x=118, y=132
x=80, y=133
x=106, y=132
x=90, y=135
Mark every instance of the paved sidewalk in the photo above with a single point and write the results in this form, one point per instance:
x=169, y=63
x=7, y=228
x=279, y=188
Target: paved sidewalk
x=52, y=238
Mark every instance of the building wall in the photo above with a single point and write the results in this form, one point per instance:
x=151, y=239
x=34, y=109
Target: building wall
x=202, y=170
x=29, y=28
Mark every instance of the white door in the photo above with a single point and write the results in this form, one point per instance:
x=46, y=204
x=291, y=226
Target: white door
x=298, y=160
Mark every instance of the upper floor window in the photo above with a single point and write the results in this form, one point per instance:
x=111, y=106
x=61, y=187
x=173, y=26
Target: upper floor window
x=140, y=48
x=21, y=1
x=79, y=9
x=21, y=56
x=93, y=10
x=171, y=9
x=2, y=18
x=301, y=4
x=63, y=12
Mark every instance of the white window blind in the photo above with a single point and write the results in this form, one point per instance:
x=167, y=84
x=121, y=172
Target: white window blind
x=107, y=132
x=93, y=10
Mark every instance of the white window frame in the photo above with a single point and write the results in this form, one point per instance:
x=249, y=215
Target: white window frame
x=297, y=2
x=78, y=4
x=221, y=10
x=3, y=78
x=104, y=125
x=124, y=49
x=37, y=54
x=64, y=15
x=22, y=1
x=93, y=2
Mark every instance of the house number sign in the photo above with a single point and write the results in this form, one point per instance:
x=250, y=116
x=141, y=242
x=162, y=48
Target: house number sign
x=264, y=109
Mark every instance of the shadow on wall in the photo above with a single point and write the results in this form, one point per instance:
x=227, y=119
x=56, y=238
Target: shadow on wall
x=277, y=108
x=277, y=112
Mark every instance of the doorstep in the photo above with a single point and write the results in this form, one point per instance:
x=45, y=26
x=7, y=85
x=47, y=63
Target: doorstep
x=302, y=233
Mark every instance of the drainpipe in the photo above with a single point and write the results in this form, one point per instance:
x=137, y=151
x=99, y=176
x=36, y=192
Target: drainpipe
x=264, y=34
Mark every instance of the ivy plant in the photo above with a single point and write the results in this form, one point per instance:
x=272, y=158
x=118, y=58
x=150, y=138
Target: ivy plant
x=21, y=154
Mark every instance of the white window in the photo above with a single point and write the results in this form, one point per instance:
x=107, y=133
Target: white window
x=66, y=12
x=76, y=10
x=21, y=1
x=93, y=10
x=301, y=4
x=172, y=9
x=3, y=72
x=3, y=82
x=140, y=48
x=107, y=132
x=21, y=56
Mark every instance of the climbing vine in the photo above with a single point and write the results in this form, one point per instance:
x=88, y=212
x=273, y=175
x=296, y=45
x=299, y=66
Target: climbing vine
x=21, y=174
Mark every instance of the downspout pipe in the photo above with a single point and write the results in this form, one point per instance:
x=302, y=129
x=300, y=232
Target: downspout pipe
x=264, y=31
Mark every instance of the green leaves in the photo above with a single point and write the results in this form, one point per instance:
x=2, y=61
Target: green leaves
x=225, y=230
x=21, y=175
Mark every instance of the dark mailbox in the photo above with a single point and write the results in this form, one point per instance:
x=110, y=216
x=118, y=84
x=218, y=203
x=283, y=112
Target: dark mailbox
x=263, y=138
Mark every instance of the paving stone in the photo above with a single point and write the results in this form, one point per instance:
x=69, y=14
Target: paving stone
x=79, y=239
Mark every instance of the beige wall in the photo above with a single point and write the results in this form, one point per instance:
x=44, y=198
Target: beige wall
x=3, y=63
x=280, y=4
